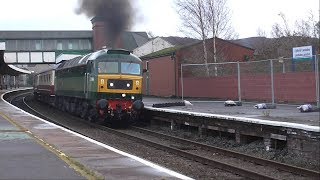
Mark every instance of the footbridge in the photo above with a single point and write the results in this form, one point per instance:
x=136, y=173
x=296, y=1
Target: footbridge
x=9, y=74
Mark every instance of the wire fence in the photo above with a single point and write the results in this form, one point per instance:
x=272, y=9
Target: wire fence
x=282, y=80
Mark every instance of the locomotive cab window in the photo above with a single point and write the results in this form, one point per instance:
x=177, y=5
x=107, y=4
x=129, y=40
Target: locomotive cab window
x=108, y=67
x=130, y=68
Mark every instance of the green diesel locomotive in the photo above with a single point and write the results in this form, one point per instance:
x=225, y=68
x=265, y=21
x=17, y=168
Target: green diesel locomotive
x=102, y=86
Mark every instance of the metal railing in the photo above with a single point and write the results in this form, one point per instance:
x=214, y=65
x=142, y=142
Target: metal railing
x=273, y=74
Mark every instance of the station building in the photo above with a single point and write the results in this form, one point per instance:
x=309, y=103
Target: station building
x=36, y=51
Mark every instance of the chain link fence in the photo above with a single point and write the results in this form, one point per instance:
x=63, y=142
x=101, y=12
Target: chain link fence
x=281, y=80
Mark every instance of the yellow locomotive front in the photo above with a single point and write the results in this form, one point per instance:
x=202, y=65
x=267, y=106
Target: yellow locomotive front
x=119, y=86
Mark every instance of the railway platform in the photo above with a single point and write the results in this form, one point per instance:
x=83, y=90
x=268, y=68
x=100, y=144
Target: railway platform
x=23, y=158
x=32, y=148
x=282, y=113
x=284, y=126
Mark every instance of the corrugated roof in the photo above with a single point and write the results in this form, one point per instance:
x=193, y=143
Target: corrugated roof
x=45, y=34
x=6, y=69
x=179, y=41
x=129, y=42
x=22, y=71
x=140, y=38
x=132, y=40
x=164, y=52
x=37, y=68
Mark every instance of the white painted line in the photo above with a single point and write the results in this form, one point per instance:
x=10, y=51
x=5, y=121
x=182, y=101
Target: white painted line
x=147, y=163
x=242, y=119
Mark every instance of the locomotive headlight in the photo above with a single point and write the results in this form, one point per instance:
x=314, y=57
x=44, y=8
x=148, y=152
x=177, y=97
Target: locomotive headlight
x=111, y=84
x=128, y=85
x=132, y=97
x=123, y=95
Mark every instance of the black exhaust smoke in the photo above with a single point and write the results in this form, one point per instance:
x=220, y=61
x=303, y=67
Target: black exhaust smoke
x=117, y=15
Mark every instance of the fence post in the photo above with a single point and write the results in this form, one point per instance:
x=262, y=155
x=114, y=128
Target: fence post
x=147, y=79
x=181, y=82
x=239, y=82
x=317, y=80
x=272, y=84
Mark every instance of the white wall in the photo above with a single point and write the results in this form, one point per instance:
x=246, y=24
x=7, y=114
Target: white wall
x=151, y=46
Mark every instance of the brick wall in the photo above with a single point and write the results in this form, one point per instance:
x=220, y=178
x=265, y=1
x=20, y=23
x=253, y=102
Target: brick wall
x=161, y=77
x=289, y=87
x=164, y=79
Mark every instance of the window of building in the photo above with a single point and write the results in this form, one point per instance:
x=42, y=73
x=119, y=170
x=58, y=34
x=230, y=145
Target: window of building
x=70, y=45
x=11, y=45
x=89, y=44
x=38, y=45
x=59, y=45
x=48, y=45
x=85, y=44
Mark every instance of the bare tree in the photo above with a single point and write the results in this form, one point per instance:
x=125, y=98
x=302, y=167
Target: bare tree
x=193, y=16
x=308, y=27
x=286, y=36
x=219, y=17
x=150, y=34
x=261, y=33
x=318, y=29
x=287, y=31
x=304, y=27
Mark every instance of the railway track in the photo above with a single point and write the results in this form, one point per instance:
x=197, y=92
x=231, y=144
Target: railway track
x=233, y=161
x=229, y=153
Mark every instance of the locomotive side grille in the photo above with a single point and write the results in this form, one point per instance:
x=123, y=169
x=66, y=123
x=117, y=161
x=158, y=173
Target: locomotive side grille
x=120, y=84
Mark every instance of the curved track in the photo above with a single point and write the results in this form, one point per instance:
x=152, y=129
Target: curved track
x=198, y=152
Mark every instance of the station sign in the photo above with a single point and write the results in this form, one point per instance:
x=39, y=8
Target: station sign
x=304, y=53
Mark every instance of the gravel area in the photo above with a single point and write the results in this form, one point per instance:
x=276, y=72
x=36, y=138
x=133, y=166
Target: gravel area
x=255, y=148
x=266, y=170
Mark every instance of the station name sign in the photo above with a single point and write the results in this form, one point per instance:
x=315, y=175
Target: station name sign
x=304, y=53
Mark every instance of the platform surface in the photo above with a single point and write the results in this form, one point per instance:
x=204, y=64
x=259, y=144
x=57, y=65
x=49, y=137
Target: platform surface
x=32, y=148
x=23, y=158
x=282, y=113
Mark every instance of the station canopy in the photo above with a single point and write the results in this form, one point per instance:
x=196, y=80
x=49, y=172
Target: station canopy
x=12, y=70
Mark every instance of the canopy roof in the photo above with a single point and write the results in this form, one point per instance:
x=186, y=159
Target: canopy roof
x=12, y=70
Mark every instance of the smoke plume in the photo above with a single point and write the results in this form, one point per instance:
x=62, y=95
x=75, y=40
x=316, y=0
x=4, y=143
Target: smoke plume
x=116, y=14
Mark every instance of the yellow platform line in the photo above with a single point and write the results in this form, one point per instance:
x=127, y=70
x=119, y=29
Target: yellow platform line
x=78, y=167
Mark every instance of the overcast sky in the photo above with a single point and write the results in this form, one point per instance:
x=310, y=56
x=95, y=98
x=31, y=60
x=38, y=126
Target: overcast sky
x=156, y=16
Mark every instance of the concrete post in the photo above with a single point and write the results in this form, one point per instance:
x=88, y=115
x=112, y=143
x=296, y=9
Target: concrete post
x=173, y=125
x=317, y=80
x=272, y=84
x=267, y=143
x=241, y=139
x=181, y=76
x=239, y=82
x=202, y=130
